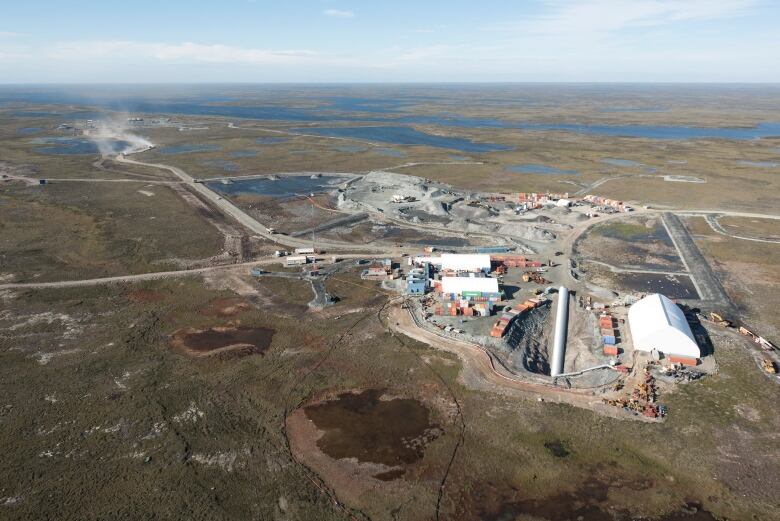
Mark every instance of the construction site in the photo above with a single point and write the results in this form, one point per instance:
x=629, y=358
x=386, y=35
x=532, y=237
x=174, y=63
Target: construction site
x=294, y=324
x=502, y=273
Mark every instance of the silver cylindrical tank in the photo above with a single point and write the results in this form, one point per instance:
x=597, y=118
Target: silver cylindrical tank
x=561, y=326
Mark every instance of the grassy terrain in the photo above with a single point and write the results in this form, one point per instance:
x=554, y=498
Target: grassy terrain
x=750, y=272
x=80, y=230
x=98, y=407
x=751, y=227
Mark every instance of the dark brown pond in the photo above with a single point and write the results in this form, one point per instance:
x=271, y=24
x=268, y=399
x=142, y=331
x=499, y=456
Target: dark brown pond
x=588, y=503
x=211, y=339
x=361, y=425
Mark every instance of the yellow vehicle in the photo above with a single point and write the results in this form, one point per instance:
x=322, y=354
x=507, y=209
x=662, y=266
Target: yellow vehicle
x=719, y=320
x=768, y=366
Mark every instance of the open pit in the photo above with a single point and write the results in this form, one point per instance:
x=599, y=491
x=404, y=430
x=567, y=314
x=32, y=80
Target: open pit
x=234, y=341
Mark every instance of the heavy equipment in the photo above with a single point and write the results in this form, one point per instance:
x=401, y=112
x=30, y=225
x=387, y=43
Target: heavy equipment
x=718, y=320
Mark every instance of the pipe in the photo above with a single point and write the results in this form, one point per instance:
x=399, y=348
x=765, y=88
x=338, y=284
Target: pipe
x=561, y=326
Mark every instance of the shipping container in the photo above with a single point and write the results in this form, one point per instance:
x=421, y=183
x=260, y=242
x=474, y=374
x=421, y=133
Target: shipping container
x=682, y=360
x=608, y=340
x=610, y=350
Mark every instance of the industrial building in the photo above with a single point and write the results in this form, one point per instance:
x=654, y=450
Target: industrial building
x=380, y=270
x=456, y=262
x=470, y=286
x=657, y=324
x=298, y=260
x=417, y=280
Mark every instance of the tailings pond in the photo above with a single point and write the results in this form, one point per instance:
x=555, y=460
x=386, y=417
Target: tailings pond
x=284, y=186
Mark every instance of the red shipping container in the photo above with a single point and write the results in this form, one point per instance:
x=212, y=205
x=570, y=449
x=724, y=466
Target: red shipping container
x=606, y=322
x=682, y=360
x=610, y=350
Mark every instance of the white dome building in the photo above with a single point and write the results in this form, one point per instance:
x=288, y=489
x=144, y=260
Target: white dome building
x=658, y=324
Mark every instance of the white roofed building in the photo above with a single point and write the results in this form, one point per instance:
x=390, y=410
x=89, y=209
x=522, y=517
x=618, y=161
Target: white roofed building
x=465, y=262
x=658, y=324
x=458, y=285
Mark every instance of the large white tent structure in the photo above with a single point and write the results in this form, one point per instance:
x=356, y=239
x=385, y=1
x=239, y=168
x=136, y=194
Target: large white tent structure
x=658, y=324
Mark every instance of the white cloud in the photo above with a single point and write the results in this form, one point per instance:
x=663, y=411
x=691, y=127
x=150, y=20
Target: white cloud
x=336, y=13
x=9, y=34
x=186, y=52
x=599, y=16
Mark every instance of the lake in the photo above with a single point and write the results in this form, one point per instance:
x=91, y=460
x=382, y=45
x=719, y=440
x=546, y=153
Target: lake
x=388, y=106
x=620, y=162
x=77, y=146
x=188, y=148
x=539, y=169
x=404, y=136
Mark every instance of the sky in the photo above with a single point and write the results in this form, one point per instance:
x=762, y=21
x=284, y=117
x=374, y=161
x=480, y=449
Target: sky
x=320, y=41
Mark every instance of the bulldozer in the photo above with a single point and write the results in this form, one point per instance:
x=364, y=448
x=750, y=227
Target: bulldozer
x=718, y=320
x=768, y=366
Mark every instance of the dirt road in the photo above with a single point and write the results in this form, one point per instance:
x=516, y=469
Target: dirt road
x=165, y=274
x=479, y=372
x=239, y=215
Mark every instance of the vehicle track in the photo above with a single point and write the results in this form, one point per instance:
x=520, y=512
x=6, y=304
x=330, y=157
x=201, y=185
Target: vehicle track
x=462, y=423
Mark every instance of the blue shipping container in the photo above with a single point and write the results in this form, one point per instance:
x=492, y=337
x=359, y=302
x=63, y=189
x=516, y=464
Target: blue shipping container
x=609, y=340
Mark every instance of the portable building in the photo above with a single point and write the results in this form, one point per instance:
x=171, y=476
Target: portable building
x=297, y=260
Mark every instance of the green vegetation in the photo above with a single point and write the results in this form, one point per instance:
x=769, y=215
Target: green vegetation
x=74, y=230
x=623, y=230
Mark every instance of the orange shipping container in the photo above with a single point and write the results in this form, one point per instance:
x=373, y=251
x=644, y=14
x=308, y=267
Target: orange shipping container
x=610, y=350
x=683, y=360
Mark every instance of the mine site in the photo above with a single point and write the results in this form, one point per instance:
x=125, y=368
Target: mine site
x=238, y=313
